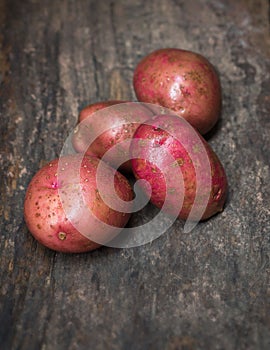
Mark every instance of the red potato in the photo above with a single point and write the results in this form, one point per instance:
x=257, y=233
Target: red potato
x=94, y=107
x=111, y=126
x=180, y=166
x=64, y=209
x=182, y=81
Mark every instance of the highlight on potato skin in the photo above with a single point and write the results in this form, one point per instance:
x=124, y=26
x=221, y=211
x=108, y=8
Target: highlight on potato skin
x=183, y=81
x=168, y=134
x=63, y=208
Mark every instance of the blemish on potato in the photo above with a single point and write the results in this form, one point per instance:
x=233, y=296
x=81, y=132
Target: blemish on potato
x=62, y=236
x=194, y=75
x=196, y=149
x=178, y=162
x=202, y=91
x=54, y=185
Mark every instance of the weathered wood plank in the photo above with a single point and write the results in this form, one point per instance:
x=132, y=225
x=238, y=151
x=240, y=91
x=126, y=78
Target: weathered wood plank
x=206, y=289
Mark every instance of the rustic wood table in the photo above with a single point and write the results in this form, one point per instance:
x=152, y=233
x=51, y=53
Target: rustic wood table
x=208, y=289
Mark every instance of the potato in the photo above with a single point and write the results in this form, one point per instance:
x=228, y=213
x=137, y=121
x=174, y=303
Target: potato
x=109, y=129
x=182, y=81
x=181, y=168
x=64, y=209
x=94, y=107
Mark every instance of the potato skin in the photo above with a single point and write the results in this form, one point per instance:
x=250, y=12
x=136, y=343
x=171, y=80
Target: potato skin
x=46, y=216
x=157, y=168
x=182, y=81
x=95, y=116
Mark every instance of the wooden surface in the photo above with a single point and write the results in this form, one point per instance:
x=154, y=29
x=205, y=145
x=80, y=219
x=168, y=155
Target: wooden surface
x=208, y=289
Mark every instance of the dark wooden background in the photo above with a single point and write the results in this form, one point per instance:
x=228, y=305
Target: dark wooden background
x=208, y=289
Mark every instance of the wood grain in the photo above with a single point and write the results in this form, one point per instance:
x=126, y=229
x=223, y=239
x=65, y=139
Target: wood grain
x=205, y=289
